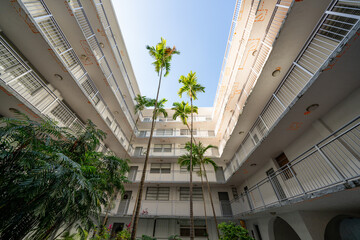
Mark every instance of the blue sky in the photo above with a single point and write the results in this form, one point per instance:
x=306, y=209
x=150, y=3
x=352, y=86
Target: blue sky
x=198, y=28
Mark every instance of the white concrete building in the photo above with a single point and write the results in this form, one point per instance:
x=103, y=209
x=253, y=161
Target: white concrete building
x=286, y=117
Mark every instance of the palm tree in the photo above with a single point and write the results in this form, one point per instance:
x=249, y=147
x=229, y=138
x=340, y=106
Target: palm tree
x=160, y=110
x=183, y=110
x=141, y=103
x=191, y=88
x=184, y=161
x=52, y=179
x=162, y=55
x=200, y=151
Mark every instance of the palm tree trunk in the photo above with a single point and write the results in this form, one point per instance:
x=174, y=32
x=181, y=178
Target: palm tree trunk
x=132, y=133
x=211, y=200
x=203, y=188
x=108, y=208
x=190, y=133
x=141, y=186
x=192, y=235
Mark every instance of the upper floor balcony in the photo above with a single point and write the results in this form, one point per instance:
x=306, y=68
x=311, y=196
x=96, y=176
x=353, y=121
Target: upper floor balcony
x=329, y=166
x=196, y=118
x=166, y=150
x=175, y=133
x=161, y=175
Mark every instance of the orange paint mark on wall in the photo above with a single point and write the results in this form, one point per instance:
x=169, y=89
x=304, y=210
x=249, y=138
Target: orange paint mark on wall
x=23, y=15
x=5, y=91
x=26, y=109
x=261, y=13
x=252, y=46
x=345, y=49
x=294, y=126
x=241, y=11
x=57, y=60
x=90, y=57
x=68, y=8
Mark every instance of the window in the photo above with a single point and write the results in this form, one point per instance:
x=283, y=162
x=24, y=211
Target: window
x=283, y=163
x=142, y=133
x=185, y=132
x=235, y=192
x=183, y=169
x=200, y=231
x=157, y=193
x=211, y=133
x=139, y=151
x=185, y=193
x=164, y=132
x=162, y=147
x=160, y=168
x=147, y=119
x=108, y=121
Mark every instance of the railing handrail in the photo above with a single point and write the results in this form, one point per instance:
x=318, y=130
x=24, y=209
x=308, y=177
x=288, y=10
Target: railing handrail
x=287, y=170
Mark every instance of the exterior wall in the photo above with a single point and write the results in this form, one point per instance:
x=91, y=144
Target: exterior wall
x=317, y=171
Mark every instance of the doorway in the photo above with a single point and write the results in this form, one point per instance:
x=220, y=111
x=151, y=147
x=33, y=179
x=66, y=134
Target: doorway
x=279, y=191
x=132, y=173
x=124, y=203
x=283, y=231
x=225, y=204
x=246, y=190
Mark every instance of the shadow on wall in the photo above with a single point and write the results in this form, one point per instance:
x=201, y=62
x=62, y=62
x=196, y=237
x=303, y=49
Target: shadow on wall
x=282, y=230
x=343, y=227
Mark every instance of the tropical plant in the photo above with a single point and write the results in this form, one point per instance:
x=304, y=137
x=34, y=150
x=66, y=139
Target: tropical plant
x=124, y=234
x=230, y=231
x=182, y=110
x=174, y=237
x=191, y=87
x=162, y=55
x=160, y=110
x=203, y=160
x=141, y=103
x=51, y=179
x=145, y=237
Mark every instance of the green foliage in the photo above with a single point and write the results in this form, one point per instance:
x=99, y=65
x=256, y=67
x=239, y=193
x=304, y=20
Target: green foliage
x=141, y=103
x=145, y=237
x=183, y=110
x=51, y=179
x=230, y=231
x=198, y=158
x=174, y=237
x=124, y=235
x=190, y=85
x=160, y=107
x=162, y=55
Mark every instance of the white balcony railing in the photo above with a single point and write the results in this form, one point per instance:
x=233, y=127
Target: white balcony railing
x=173, y=176
x=167, y=152
x=337, y=25
x=196, y=118
x=333, y=161
x=46, y=24
x=174, y=208
x=176, y=133
x=90, y=36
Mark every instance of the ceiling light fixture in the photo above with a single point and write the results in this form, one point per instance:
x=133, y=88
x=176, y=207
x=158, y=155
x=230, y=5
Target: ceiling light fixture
x=276, y=73
x=101, y=45
x=241, y=132
x=312, y=107
x=58, y=76
x=253, y=165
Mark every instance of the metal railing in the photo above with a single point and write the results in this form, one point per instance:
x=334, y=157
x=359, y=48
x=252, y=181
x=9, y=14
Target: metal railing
x=172, y=176
x=171, y=208
x=94, y=45
x=196, y=118
x=176, y=133
x=167, y=152
x=275, y=24
x=331, y=162
x=335, y=28
x=244, y=36
x=42, y=18
x=114, y=46
x=17, y=76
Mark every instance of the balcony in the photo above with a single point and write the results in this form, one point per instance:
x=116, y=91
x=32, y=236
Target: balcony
x=335, y=28
x=331, y=165
x=196, y=118
x=172, y=208
x=175, y=133
x=175, y=176
x=167, y=152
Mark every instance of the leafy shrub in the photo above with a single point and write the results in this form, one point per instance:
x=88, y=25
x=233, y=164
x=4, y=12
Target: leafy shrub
x=174, y=237
x=230, y=231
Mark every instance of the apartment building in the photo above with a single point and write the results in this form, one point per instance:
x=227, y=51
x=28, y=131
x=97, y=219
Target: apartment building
x=285, y=118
